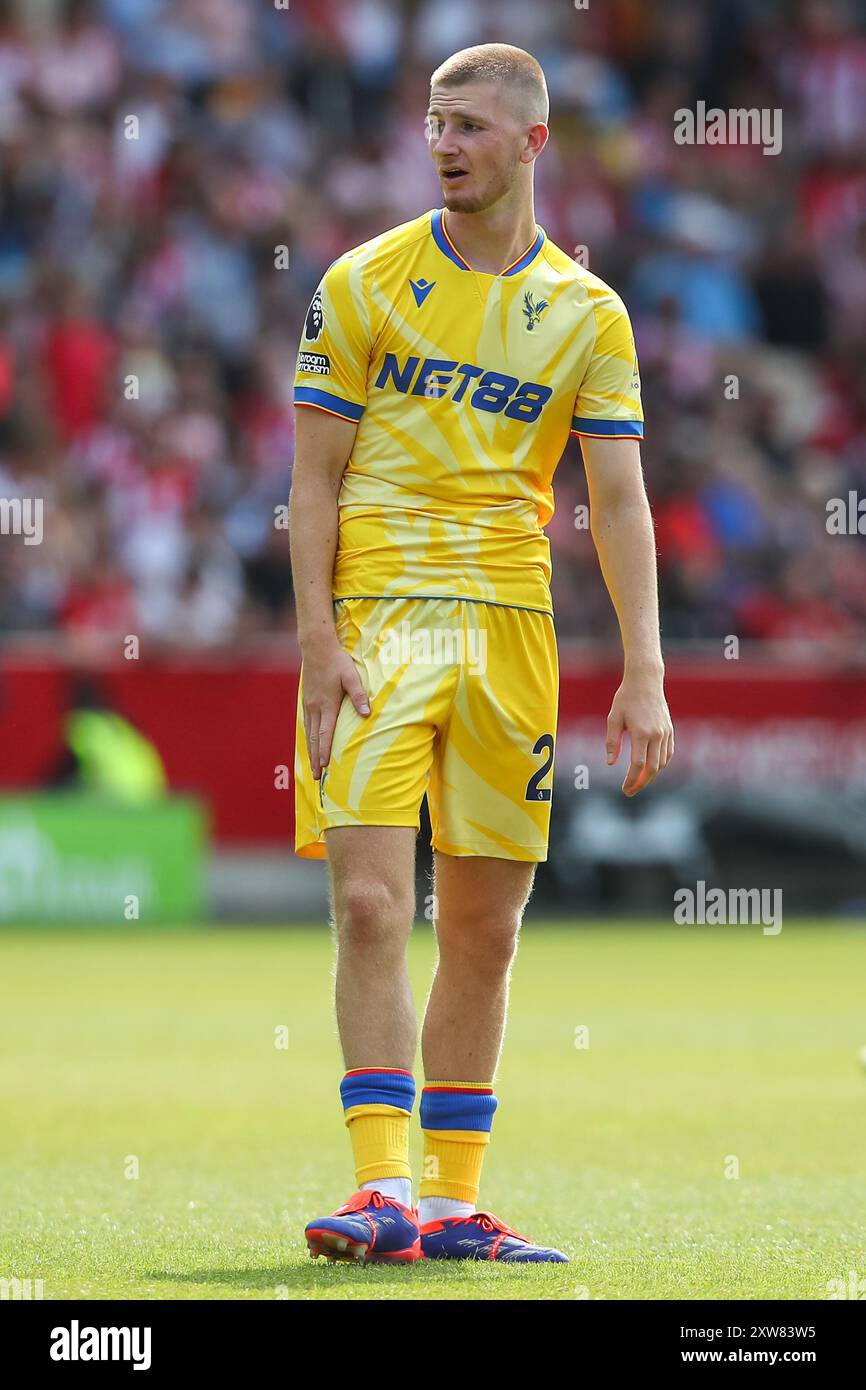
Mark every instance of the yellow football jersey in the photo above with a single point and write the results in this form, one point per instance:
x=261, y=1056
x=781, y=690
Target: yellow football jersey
x=465, y=387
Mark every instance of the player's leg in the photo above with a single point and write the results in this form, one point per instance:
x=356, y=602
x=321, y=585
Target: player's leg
x=490, y=807
x=479, y=907
x=373, y=906
x=366, y=810
x=372, y=871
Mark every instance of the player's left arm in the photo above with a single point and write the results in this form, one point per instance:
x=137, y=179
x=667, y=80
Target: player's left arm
x=622, y=530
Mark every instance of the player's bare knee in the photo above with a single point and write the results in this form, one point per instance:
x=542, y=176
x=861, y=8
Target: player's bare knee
x=369, y=914
x=486, y=945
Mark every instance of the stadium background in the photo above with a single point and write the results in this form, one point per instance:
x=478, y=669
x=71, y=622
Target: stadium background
x=156, y=252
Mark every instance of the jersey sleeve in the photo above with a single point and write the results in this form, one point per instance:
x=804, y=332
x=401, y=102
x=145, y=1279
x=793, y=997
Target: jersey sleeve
x=608, y=403
x=334, y=354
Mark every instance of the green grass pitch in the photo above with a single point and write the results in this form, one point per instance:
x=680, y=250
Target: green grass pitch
x=709, y=1047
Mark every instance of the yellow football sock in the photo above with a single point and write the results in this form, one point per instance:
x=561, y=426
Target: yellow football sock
x=452, y=1163
x=377, y=1103
x=454, y=1151
x=380, y=1141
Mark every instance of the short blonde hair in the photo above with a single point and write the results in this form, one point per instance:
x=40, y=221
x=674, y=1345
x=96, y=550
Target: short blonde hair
x=499, y=62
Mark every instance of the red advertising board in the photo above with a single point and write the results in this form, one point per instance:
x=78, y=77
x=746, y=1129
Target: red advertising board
x=225, y=728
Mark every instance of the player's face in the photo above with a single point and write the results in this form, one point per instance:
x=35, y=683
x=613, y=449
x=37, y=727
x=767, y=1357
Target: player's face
x=475, y=141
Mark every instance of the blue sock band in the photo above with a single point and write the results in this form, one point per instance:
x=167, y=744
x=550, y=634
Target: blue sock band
x=459, y=1109
x=378, y=1086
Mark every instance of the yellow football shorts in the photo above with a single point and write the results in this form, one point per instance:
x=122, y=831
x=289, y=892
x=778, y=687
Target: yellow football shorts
x=463, y=705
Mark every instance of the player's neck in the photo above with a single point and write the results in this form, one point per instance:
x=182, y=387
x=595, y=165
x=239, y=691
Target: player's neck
x=491, y=241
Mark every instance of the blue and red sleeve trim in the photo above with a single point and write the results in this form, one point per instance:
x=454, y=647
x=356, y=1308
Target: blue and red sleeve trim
x=607, y=429
x=325, y=400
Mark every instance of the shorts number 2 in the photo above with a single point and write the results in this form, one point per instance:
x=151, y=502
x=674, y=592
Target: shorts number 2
x=533, y=791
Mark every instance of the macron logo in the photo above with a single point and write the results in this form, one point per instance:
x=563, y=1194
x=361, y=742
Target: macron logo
x=421, y=288
x=76, y=1343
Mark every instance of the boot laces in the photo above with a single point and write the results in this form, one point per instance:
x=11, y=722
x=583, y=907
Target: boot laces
x=488, y=1222
x=360, y=1200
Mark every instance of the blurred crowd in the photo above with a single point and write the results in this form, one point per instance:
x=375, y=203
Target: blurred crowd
x=175, y=175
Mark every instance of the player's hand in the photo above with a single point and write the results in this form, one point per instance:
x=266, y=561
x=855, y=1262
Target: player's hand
x=330, y=675
x=640, y=708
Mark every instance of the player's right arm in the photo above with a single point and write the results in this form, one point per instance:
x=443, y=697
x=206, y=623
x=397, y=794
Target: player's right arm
x=330, y=399
x=323, y=444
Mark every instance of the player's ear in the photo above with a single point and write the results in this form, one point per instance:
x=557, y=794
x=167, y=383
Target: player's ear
x=536, y=139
